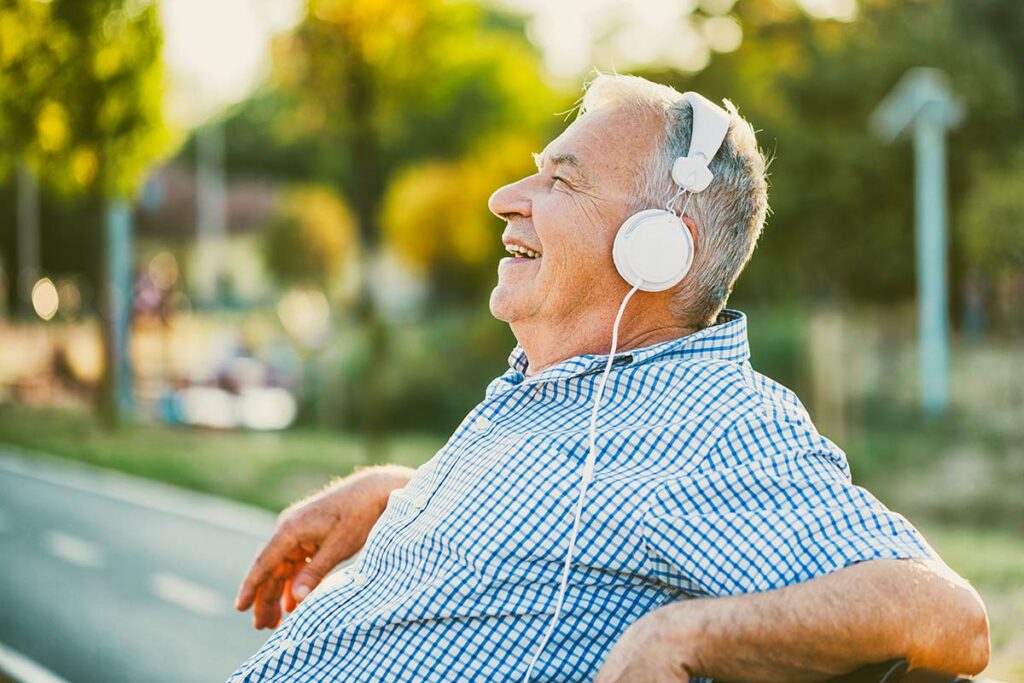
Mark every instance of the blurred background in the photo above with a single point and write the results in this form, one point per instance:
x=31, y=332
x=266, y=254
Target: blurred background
x=244, y=248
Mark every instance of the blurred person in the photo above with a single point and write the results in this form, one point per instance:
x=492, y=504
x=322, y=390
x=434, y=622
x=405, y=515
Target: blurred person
x=719, y=535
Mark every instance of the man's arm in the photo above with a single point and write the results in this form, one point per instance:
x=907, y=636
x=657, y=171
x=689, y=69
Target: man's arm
x=868, y=612
x=312, y=536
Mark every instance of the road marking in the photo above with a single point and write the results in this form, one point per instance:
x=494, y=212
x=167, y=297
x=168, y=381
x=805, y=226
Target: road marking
x=143, y=493
x=17, y=666
x=73, y=549
x=186, y=594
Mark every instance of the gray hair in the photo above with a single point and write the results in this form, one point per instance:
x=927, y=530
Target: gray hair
x=729, y=215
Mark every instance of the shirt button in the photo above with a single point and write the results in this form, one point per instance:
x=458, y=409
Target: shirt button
x=481, y=424
x=359, y=580
x=339, y=578
x=420, y=501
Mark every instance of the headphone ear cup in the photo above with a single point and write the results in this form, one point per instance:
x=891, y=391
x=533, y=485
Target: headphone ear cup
x=692, y=173
x=653, y=250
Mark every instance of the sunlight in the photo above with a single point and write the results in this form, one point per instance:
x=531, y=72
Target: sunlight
x=216, y=52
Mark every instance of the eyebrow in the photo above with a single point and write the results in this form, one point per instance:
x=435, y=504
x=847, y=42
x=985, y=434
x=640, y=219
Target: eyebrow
x=561, y=158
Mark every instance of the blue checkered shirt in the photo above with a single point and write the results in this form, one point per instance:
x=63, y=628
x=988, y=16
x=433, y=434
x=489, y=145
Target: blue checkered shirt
x=710, y=480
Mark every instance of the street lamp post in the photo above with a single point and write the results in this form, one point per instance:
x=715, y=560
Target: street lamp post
x=923, y=103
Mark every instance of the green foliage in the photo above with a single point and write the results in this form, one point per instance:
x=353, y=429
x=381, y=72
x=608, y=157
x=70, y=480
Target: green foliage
x=435, y=216
x=429, y=78
x=842, y=202
x=264, y=136
x=378, y=86
x=309, y=236
x=437, y=371
x=991, y=224
x=81, y=90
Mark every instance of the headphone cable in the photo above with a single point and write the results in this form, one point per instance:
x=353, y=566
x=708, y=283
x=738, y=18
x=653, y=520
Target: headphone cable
x=588, y=474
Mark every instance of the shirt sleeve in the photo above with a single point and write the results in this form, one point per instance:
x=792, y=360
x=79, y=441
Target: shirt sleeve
x=772, y=505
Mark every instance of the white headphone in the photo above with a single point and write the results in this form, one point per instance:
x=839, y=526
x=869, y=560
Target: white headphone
x=653, y=249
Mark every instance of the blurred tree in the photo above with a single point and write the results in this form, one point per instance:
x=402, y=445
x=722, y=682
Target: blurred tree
x=81, y=104
x=842, y=203
x=264, y=135
x=447, y=201
x=991, y=230
x=383, y=83
x=991, y=225
x=80, y=92
x=311, y=233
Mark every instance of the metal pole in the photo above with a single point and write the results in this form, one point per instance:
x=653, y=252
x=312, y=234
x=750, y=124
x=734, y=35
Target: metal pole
x=120, y=287
x=211, y=210
x=28, y=236
x=930, y=161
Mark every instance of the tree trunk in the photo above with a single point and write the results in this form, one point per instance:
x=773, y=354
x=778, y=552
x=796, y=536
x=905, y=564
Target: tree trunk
x=366, y=197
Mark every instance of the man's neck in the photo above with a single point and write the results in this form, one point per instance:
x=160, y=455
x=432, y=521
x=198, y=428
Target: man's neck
x=546, y=345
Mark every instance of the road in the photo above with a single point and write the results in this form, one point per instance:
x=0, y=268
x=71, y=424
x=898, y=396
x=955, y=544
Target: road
x=108, y=578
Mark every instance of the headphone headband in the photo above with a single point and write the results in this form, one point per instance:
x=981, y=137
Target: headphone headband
x=710, y=126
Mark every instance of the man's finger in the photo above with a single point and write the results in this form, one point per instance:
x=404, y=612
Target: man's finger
x=325, y=559
x=289, y=599
x=260, y=570
x=266, y=607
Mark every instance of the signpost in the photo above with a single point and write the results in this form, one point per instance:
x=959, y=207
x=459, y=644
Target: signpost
x=923, y=103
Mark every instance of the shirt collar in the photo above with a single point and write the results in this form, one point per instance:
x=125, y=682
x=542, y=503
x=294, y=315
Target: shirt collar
x=725, y=340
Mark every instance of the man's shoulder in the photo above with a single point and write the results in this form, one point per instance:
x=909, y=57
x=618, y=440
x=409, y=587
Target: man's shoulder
x=747, y=414
x=722, y=387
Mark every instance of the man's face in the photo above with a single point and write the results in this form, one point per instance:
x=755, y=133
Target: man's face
x=569, y=212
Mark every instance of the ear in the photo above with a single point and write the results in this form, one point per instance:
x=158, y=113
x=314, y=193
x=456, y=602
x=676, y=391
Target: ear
x=692, y=227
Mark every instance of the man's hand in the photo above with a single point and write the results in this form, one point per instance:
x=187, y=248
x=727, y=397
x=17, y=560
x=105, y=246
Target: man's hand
x=311, y=538
x=644, y=654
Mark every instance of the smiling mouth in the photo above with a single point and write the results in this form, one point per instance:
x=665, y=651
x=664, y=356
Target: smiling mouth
x=522, y=253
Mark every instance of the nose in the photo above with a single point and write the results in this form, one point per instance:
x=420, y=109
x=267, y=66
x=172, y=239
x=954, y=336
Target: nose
x=511, y=200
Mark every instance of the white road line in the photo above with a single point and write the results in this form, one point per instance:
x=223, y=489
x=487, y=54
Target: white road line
x=140, y=492
x=23, y=670
x=73, y=549
x=186, y=594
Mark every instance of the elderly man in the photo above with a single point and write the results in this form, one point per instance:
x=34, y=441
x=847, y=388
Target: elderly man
x=653, y=512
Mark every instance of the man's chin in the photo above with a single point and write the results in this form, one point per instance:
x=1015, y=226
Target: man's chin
x=504, y=304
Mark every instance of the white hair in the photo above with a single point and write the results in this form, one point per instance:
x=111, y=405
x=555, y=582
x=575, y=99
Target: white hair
x=729, y=214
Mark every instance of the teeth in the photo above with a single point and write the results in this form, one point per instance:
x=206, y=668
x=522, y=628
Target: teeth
x=517, y=250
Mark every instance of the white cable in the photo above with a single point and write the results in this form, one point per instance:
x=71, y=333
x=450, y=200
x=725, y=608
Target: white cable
x=588, y=473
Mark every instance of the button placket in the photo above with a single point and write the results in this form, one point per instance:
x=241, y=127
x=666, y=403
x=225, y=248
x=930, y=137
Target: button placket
x=344, y=576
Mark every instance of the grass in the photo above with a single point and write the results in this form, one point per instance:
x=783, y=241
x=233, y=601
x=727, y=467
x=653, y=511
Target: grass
x=973, y=525
x=269, y=470
x=962, y=470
